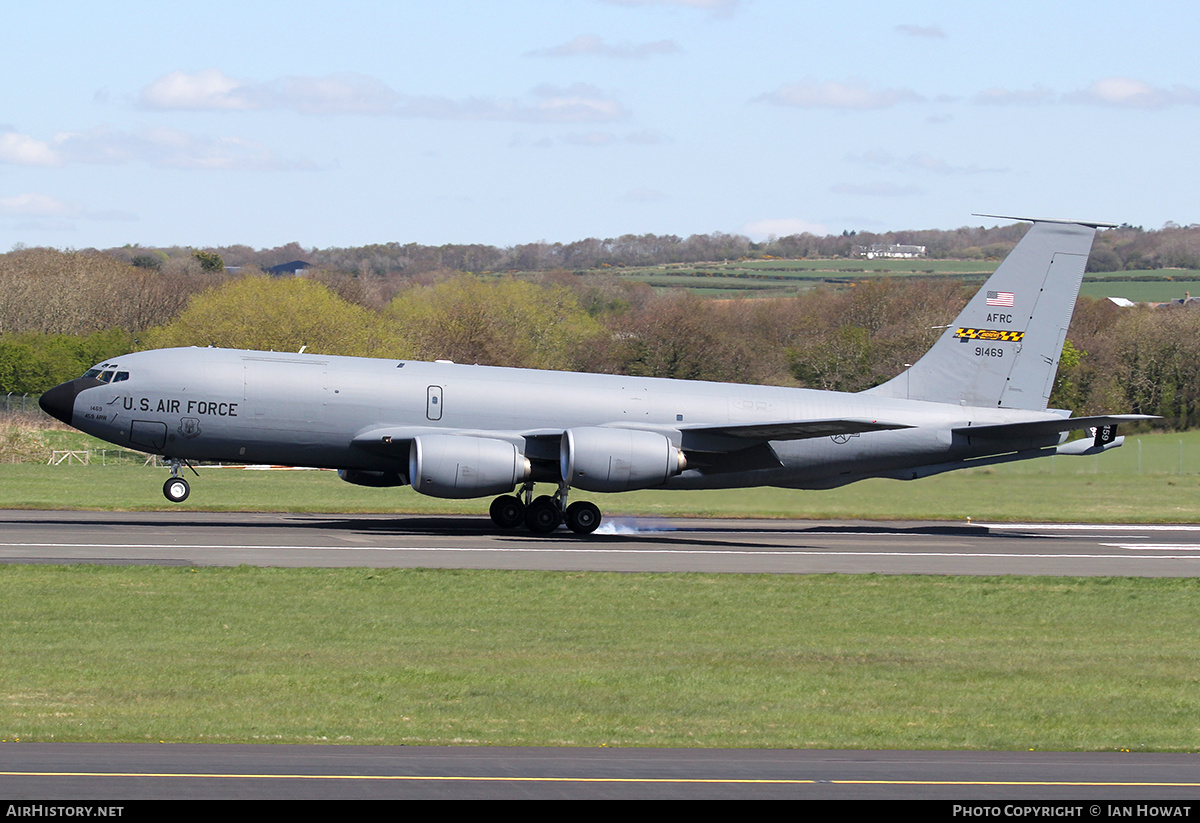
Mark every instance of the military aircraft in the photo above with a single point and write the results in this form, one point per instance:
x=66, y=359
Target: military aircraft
x=978, y=397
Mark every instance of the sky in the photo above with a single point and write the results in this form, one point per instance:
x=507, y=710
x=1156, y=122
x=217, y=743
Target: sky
x=479, y=121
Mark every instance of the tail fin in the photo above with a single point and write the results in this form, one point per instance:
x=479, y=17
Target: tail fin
x=1003, y=349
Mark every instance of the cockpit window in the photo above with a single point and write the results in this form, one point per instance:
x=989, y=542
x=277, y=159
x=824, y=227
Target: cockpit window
x=106, y=375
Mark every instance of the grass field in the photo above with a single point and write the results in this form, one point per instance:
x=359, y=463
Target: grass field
x=97, y=653
x=393, y=656
x=783, y=278
x=1139, y=291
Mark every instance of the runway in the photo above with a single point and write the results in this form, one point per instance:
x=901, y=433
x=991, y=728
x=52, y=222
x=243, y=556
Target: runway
x=624, y=544
x=41, y=771
x=121, y=772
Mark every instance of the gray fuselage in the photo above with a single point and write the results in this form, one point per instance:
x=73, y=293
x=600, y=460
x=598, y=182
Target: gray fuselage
x=317, y=410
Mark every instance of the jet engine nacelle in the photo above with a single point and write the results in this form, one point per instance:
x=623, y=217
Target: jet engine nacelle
x=379, y=480
x=442, y=465
x=617, y=460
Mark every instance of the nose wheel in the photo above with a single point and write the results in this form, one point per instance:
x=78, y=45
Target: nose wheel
x=176, y=489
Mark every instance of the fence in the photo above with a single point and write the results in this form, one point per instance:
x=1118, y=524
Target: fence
x=101, y=457
x=13, y=402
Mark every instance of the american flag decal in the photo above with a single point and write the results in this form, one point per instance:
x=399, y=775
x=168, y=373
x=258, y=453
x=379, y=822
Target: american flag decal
x=1001, y=298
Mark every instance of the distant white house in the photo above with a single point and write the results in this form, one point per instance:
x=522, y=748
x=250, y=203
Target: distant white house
x=889, y=250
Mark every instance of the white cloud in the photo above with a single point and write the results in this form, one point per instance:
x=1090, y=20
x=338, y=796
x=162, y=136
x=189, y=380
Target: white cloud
x=783, y=227
x=350, y=93
x=23, y=150
x=835, y=95
x=200, y=91
x=1120, y=92
x=346, y=93
x=575, y=103
x=1127, y=92
x=44, y=207
x=164, y=148
x=591, y=45
x=34, y=205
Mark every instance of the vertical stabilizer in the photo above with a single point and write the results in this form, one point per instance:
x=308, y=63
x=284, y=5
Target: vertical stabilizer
x=1003, y=349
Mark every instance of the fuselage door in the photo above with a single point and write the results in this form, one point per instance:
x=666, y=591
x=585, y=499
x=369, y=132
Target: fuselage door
x=433, y=403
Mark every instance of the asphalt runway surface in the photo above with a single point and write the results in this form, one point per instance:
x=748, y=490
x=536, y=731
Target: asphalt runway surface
x=100, y=772
x=41, y=771
x=622, y=544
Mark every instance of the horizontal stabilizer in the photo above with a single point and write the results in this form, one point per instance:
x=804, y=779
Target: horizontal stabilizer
x=1041, y=428
x=1095, y=224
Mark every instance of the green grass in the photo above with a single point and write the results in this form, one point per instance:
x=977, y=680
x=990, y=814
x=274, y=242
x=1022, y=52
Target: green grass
x=95, y=653
x=780, y=278
x=101, y=653
x=1140, y=292
x=1153, y=478
x=784, y=278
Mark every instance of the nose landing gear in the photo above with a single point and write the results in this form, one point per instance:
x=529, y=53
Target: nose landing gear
x=176, y=489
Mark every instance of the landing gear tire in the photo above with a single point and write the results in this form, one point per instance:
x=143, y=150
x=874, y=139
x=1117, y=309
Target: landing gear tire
x=543, y=515
x=583, y=517
x=507, y=511
x=176, y=489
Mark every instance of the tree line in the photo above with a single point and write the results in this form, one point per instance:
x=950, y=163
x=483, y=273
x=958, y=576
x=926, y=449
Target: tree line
x=61, y=312
x=1123, y=248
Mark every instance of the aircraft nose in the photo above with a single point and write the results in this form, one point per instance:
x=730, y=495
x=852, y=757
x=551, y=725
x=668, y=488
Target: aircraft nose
x=60, y=401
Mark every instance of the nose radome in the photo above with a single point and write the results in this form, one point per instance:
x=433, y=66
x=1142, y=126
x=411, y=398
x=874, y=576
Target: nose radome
x=60, y=401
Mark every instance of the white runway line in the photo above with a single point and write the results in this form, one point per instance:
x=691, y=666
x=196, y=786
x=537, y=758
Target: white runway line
x=570, y=549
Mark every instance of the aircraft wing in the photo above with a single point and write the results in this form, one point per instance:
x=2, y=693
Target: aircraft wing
x=1041, y=428
x=392, y=440
x=739, y=435
x=711, y=448
x=735, y=436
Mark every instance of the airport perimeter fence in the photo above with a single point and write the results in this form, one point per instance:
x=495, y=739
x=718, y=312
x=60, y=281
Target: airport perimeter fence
x=13, y=403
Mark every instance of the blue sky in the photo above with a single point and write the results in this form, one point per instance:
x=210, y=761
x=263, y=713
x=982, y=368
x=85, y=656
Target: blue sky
x=463, y=121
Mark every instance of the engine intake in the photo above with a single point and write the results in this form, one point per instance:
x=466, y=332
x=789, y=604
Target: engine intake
x=617, y=460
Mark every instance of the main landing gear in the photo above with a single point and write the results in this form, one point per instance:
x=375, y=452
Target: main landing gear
x=176, y=489
x=544, y=514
